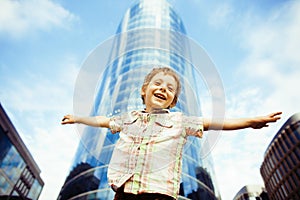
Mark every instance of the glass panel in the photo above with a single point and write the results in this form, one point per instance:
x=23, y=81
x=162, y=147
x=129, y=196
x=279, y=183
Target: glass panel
x=13, y=164
x=5, y=187
x=290, y=163
x=285, y=140
x=278, y=150
x=282, y=145
x=291, y=136
x=35, y=190
x=297, y=133
x=5, y=145
x=294, y=159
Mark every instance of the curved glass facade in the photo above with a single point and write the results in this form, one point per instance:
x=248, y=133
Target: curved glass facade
x=280, y=169
x=133, y=55
x=250, y=192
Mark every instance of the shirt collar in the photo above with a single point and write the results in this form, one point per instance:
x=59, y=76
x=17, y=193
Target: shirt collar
x=158, y=111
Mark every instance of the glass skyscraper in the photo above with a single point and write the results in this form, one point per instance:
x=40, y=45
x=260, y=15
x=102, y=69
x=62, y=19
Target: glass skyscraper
x=150, y=34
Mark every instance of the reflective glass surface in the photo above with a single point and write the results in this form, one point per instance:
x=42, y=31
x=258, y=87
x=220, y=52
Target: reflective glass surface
x=119, y=92
x=280, y=168
x=15, y=177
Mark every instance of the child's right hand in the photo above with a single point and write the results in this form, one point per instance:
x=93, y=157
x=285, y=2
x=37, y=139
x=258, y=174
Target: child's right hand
x=68, y=119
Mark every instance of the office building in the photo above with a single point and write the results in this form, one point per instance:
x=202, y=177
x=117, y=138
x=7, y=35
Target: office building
x=250, y=192
x=150, y=34
x=19, y=173
x=280, y=169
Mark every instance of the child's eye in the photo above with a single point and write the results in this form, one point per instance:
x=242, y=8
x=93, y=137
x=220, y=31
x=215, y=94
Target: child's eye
x=157, y=83
x=171, y=89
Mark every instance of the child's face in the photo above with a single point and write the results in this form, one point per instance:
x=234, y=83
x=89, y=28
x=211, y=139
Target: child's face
x=160, y=92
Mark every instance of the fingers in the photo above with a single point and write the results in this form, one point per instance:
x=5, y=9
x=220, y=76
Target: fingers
x=67, y=119
x=64, y=120
x=264, y=121
x=276, y=114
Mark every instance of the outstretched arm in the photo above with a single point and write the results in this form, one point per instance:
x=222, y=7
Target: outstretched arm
x=241, y=123
x=97, y=121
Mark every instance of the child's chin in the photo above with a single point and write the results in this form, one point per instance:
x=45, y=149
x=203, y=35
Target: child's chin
x=159, y=107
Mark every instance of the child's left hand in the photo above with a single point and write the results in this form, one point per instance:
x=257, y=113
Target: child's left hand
x=262, y=121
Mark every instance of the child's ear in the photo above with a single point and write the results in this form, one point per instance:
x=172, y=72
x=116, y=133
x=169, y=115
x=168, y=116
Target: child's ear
x=143, y=91
x=174, y=102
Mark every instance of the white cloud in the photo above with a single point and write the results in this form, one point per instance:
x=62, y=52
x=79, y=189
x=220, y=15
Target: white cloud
x=36, y=108
x=19, y=17
x=220, y=14
x=238, y=169
x=53, y=148
x=39, y=92
x=274, y=57
x=268, y=74
x=276, y=37
x=238, y=157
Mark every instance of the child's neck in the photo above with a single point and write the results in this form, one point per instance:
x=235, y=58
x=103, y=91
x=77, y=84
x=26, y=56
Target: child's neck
x=156, y=110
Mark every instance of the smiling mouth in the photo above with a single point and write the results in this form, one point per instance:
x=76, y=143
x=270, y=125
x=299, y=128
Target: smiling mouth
x=160, y=96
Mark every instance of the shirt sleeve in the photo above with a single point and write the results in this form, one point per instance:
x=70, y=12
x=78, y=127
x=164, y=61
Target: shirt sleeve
x=193, y=126
x=116, y=123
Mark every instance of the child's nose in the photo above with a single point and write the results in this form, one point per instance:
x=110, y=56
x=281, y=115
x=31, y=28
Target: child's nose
x=163, y=88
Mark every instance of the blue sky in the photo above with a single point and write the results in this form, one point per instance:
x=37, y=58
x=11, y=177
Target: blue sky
x=254, y=44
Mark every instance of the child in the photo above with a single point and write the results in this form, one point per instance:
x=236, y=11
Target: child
x=146, y=162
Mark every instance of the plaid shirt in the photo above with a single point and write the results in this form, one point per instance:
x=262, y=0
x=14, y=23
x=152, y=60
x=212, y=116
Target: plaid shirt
x=148, y=155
